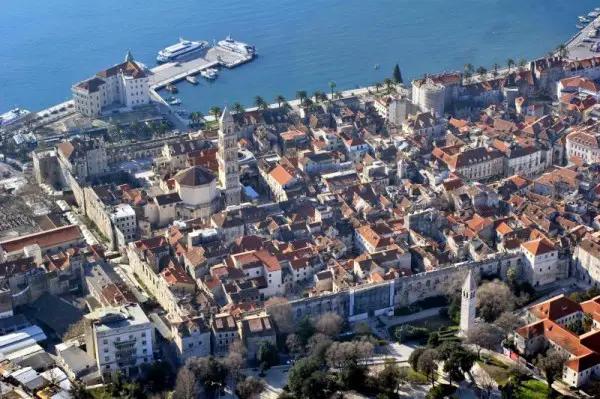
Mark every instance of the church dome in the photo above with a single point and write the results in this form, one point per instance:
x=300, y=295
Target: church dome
x=194, y=177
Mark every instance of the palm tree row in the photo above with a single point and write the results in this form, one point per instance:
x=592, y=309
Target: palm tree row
x=470, y=70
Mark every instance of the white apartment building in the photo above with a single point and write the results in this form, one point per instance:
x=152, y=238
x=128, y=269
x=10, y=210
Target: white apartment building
x=541, y=262
x=124, y=85
x=123, y=218
x=583, y=145
x=120, y=339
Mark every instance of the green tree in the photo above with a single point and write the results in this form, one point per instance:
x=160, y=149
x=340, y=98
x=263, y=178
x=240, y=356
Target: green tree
x=390, y=378
x=469, y=68
x=377, y=86
x=522, y=63
x=552, y=365
x=305, y=330
x=427, y=364
x=267, y=355
x=250, y=388
x=397, y=75
x=78, y=391
x=388, y=83
x=434, y=340
x=332, y=86
x=317, y=386
x=301, y=371
x=301, y=95
x=510, y=63
x=562, y=50
x=413, y=359
x=238, y=108
x=482, y=72
x=279, y=99
x=495, y=68
x=215, y=112
x=209, y=371
x=260, y=103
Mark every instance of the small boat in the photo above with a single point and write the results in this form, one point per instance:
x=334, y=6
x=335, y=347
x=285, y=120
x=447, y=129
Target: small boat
x=579, y=27
x=376, y=66
x=191, y=79
x=584, y=19
x=209, y=74
x=171, y=89
x=175, y=101
x=594, y=14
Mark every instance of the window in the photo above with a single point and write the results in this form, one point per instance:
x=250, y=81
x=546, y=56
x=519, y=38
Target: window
x=105, y=342
x=105, y=350
x=106, y=358
x=143, y=342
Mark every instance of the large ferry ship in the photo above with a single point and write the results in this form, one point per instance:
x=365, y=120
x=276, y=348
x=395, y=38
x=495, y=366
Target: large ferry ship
x=183, y=48
x=237, y=47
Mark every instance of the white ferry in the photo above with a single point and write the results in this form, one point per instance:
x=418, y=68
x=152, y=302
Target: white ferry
x=184, y=47
x=12, y=116
x=237, y=47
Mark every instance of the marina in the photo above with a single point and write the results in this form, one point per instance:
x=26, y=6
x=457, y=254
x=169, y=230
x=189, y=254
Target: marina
x=172, y=72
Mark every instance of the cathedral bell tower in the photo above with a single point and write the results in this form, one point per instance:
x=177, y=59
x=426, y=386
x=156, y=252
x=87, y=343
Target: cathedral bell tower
x=227, y=157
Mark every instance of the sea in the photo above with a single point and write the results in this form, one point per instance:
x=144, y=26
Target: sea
x=46, y=46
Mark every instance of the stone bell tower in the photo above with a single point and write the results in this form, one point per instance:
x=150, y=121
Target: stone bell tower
x=467, y=304
x=227, y=157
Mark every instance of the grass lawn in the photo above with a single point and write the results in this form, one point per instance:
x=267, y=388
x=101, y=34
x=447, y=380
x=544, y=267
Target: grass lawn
x=99, y=393
x=498, y=371
x=433, y=323
x=532, y=389
x=416, y=377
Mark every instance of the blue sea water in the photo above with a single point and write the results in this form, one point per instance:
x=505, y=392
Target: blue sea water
x=46, y=46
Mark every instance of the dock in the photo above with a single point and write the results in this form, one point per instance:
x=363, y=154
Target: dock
x=580, y=45
x=173, y=72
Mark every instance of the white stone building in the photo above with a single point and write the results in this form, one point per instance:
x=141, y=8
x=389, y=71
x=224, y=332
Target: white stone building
x=120, y=339
x=124, y=85
x=541, y=262
x=429, y=96
x=123, y=218
x=583, y=145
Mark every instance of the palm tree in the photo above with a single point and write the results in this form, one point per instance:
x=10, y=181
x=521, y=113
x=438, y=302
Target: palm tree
x=286, y=106
x=338, y=95
x=332, y=86
x=238, y=108
x=481, y=71
x=563, y=51
x=522, y=63
x=135, y=125
x=302, y=96
x=377, y=86
x=495, y=68
x=260, y=103
x=279, y=99
x=215, y=112
x=469, y=68
x=550, y=54
x=510, y=63
x=388, y=84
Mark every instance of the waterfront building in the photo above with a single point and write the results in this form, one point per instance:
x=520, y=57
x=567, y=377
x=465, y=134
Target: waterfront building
x=123, y=86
